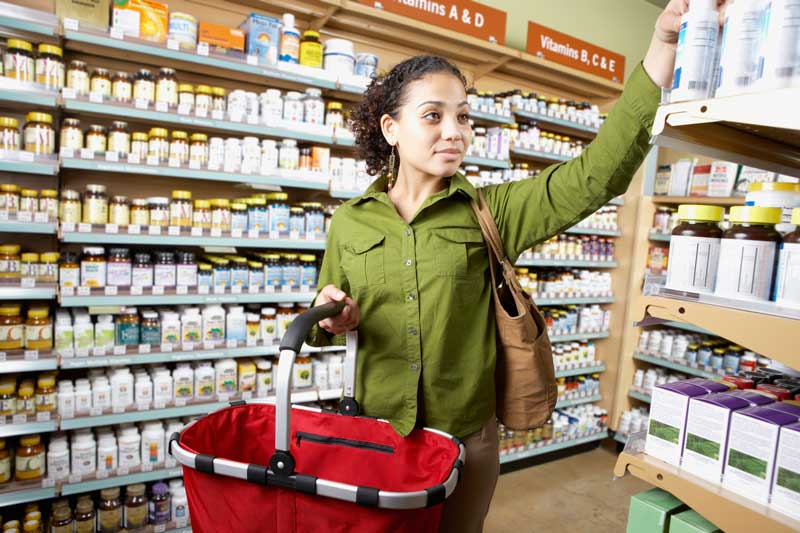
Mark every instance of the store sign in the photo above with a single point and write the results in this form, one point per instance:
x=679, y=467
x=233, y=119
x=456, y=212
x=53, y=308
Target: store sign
x=463, y=16
x=572, y=52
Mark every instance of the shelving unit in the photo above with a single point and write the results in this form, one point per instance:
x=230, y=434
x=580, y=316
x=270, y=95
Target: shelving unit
x=34, y=293
x=636, y=395
x=678, y=367
x=535, y=155
x=575, y=301
x=581, y=371
x=13, y=430
x=578, y=336
x=570, y=263
x=558, y=125
x=186, y=239
x=119, y=481
x=541, y=450
x=486, y=162
x=101, y=300
x=578, y=401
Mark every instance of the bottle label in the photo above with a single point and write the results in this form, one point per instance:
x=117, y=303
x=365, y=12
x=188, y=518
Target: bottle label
x=290, y=47
x=93, y=274
x=109, y=520
x=745, y=269
x=29, y=467
x=5, y=469
x=12, y=334
x=693, y=263
x=38, y=334
x=787, y=280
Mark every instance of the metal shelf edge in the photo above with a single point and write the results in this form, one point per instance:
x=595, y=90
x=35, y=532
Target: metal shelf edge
x=675, y=366
x=552, y=447
x=117, y=481
x=581, y=371
x=187, y=240
x=93, y=301
x=578, y=401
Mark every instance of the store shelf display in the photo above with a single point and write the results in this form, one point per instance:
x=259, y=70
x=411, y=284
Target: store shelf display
x=550, y=446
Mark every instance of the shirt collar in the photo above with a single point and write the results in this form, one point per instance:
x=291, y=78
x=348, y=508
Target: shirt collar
x=457, y=183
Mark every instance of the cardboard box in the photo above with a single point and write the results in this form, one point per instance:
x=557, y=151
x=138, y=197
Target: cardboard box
x=700, y=177
x=92, y=13
x=754, y=398
x=723, y=177
x=221, y=38
x=691, y=522
x=788, y=407
x=707, y=424
x=650, y=511
x=144, y=19
x=668, y=409
x=786, y=480
x=263, y=37
x=752, y=450
x=679, y=180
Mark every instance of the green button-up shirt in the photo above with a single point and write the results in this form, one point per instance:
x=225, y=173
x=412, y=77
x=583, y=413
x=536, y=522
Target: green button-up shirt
x=427, y=331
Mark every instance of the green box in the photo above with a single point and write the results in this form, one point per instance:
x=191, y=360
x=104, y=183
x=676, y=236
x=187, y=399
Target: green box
x=650, y=511
x=691, y=522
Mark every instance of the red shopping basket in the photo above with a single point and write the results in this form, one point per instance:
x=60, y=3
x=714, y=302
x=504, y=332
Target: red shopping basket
x=254, y=466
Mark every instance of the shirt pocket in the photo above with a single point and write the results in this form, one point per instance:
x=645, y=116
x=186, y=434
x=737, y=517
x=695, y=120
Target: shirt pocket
x=460, y=252
x=363, y=260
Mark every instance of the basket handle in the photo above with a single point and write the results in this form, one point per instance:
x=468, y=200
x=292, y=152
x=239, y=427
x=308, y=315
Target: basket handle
x=282, y=462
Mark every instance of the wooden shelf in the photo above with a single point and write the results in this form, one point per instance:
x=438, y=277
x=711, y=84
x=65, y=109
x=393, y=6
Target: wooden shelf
x=758, y=129
x=703, y=200
x=728, y=511
x=770, y=334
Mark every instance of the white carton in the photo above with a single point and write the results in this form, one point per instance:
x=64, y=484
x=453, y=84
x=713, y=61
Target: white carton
x=786, y=479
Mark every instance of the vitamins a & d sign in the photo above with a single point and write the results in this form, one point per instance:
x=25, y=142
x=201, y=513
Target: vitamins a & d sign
x=463, y=16
x=567, y=50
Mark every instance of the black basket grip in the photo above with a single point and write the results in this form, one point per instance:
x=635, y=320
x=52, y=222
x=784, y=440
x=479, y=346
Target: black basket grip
x=300, y=327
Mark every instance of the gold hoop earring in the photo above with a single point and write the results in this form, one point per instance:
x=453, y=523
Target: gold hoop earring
x=390, y=175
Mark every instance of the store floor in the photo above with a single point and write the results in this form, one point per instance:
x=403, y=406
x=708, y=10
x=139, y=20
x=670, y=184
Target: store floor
x=576, y=493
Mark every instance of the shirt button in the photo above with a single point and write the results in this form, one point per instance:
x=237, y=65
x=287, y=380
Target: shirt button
x=408, y=233
x=411, y=296
x=413, y=331
x=408, y=262
x=414, y=367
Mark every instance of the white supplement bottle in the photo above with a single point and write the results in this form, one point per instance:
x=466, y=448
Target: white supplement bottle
x=183, y=382
x=787, y=279
x=236, y=324
x=268, y=325
x=226, y=376
x=65, y=338
x=104, y=333
x=122, y=389
x=58, y=458
x=143, y=390
x=264, y=381
x=84, y=453
x=162, y=388
x=101, y=394
x=738, y=63
x=153, y=444
x=83, y=331
x=213, y=323
x=107, y=453
x=191, y=326
x=170, y=328
x=697, y=48
x=779, y=51
x=694, y=249
x=204, y=381
x=129, y=443
x=83, y=396
x=66, y=399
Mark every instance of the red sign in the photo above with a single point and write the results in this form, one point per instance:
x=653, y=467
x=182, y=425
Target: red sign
x=463, y=16
x=567, y=50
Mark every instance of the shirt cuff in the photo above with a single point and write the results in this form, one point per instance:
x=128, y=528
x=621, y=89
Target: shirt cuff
x=318, y=337
x=643, y=96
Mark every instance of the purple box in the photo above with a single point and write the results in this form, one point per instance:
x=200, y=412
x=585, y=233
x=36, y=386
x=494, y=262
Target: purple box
x=754, y=398
x=752, y=449
x=785, y=492
x=786, y=407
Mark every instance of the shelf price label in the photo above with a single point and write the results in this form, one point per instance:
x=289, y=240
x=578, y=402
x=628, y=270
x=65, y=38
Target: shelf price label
x=154, y=230
x=158, y=290
x=202, y=49
x=112, y=157
x=134, y=229
x=197, y=231
x=112, y=228
x=173, y=44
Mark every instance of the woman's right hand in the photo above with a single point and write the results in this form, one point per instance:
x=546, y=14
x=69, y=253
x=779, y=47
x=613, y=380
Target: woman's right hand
x=345, y=321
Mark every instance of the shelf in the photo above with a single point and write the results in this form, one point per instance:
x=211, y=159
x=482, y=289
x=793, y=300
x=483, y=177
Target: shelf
x=179, y=299
x=562, y=404
x=41, y=165
x=724, y=201
x=578, y=336
x=143, y=238
x=28, y=428
x=490, y=117
x=486, y=162
x=743, y=323
x=27, y=94
x=678, y=367
x=623, y=439
x=565, y=263
x=581, y=371
x=195, y=174
x=725, y=509
x=15, y=497
x=558, y=125
x=660, y=237
x=642, y=397
x=36, y=293
x=119, y=481
x=345, y=195
x=16, y=17
x=44, y=228
x=535, y=155
x=591, y=231
x=758, y=129
x=178, y=356
x=12, y=361
x=574, y=301
x=511, y=457
x=687, y=327
x=193, y=122
x=619, y=200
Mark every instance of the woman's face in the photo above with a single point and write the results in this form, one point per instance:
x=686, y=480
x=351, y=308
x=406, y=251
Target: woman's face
x=432, y=130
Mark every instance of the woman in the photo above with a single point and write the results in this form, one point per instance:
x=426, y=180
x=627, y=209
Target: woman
x=408, y=255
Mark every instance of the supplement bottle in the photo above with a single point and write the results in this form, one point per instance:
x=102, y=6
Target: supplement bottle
x=58, y=458
x=135, y=506
x=85, y=515
x=30, y=458
x=697, y=47
x=787, y=279
x=204, y=381
x=226, y=376
x=290, y=40
x=694, y=249
x=109, y=511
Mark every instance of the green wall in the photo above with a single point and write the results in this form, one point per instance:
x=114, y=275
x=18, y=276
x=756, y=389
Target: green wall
x=622, y=26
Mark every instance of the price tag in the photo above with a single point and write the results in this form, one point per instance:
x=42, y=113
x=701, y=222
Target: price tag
x=101, y=474
x=294, y=235
x=159, y=528
x=184, y=109
x=84, y=228
x=87, y=153
x=153, y=160
x=123, y=471
x=236, y=233
x=28, y=283
x=236, y=289
x=84, y=291
x=194, y=164
x=82, y=352
x=286, y=289
x=200, y=112
x=116, y=33
x=217, y=114
x=26, y=157
x=202, y=49
x=174, y=162
x=269, y=289
x=136, y=290
x=187, y=346
x=95, y=411
x=112, y=228
x=118, y=410
x=75, y=478
x=162, y=107
x=197, y=231
x=252, y=59
x=68, y=93
x=24, y=216
x=143, y=406
x=98, y=351
x=236, y=117
x=209, y=345
x=141, y=103
x=158, y=290
x=159, y=405
x=274, y=235
x=19, y=419
x=67, y=353
x=112, y=157
x=180, y=402
x=219, y=289
x=202, y=289
x=166, y=347
x=120, y=350
x=133, y=159
x=252, y=120
x=173, y=44
x=216, y=232
x=252, y=233
x=247, y=395
x=43, y=416
x=67, y=153
x=50, y=482
x=111, y=290
x=96, y=98
x=182, y=289
x=231, y=343
x=180, y=523
x=154, y=230
x=305, y=288
x=134, y=229
x=174, y=231
x=71, y=24
x=3, y=215
x=253, y=289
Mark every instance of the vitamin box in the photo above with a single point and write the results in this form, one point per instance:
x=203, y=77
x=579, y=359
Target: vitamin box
x=752, y=446
x=707, y=425
x=93, y=14
x=144, y=19
x=691, y=522
x=263, y=37
x=786, y=479
x=652, y=510
x=222, y=38
x=668, y=411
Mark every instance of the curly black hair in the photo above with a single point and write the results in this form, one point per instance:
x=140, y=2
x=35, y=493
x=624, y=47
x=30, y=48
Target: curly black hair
x=386, y=95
